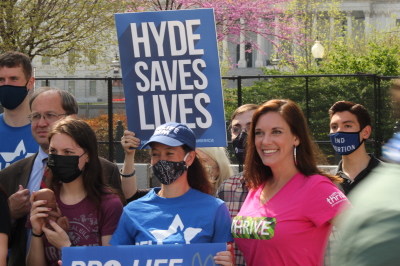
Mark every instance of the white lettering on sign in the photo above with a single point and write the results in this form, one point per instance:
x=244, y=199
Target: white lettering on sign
x=168, y=109
x=157, y=262
x=178, y=33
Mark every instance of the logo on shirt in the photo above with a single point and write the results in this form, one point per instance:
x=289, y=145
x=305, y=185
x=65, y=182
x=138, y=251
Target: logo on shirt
x=19, y=153
x=176, y=227
x=335, y=198
x=253, y=227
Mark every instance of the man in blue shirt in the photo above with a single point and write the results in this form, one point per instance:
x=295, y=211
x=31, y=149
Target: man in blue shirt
x=16, y=81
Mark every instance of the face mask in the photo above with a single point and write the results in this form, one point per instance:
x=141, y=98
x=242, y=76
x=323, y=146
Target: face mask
x=346, y=143
x=12, y=96
x=167, y=172
x=65, y=168
x=239, y=145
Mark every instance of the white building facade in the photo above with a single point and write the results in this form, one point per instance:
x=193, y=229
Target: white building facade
x=360, y=16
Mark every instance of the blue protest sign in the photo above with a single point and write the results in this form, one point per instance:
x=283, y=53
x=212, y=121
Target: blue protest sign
x=170, y=72
x=160, y=255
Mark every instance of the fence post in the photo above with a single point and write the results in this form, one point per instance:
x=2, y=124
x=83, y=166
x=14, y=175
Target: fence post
x=119, y=151
x=239, y=86
x=110, y=121
x=376, y=118
x=380, y=117
x=307, y=108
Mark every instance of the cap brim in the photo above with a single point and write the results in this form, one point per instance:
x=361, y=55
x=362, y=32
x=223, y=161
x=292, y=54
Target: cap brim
x=163, y=140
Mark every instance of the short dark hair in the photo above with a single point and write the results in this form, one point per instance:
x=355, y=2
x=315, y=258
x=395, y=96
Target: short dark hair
x=14, y=59
x=363, y=117
x=243, y=109
x=68, y=102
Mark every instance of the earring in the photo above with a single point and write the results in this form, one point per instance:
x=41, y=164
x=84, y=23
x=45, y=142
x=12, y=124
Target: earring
x=295, y=155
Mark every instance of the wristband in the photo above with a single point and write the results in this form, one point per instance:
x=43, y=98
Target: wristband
x=35, y=235
x=120, y=172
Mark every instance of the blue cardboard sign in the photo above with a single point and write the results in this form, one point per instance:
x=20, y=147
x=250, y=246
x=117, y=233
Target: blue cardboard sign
x=136, y=255
x=170, y=73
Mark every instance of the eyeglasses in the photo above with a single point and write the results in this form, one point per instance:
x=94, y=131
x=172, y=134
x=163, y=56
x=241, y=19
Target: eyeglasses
x=49, y=117
x=238, y=129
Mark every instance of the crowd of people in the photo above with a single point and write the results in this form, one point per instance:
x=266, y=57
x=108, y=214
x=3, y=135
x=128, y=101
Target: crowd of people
x=280, y=210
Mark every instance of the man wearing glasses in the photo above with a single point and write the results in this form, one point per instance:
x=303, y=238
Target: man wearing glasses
x=233, y=190
x=47, y=106
x=16, y=81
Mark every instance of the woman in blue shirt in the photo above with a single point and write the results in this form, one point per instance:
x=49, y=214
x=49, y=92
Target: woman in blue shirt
x=182, y=211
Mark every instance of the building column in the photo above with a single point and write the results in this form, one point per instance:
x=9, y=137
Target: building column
x=242, y=58
x=388, y=20
x=314, y=25
x=349, y=23
x=377, y=14
x=277, y=40
x=224, y=49
x=331, y=26
x=260, y=43
x=367, y=22
x=384, y=21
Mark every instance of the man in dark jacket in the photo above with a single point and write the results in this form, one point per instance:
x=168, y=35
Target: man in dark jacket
x=24, y=176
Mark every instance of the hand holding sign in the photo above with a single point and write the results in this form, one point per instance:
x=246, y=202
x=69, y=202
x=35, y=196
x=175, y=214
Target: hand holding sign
x=171, y=73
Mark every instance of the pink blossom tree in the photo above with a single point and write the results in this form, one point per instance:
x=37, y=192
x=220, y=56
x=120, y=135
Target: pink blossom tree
x=237, y=19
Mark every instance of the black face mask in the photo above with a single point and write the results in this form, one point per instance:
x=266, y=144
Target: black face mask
x=239, y=145
x=63, y=167
x=12, y=96
x=168, y=172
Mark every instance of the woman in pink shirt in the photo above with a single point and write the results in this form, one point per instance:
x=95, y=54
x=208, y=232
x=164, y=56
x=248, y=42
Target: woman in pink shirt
x=287, y=215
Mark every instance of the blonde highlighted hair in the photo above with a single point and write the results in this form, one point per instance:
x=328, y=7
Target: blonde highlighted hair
x=221, y=157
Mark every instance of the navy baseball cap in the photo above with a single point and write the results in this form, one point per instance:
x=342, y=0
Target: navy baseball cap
x=173, y=134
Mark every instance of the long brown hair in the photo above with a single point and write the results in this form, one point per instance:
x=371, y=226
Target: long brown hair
x=84, y=136
x=307, y=151
x=197, y=175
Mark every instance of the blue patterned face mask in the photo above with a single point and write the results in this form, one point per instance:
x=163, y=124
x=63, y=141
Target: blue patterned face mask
x=168, y=172
x=346, y=143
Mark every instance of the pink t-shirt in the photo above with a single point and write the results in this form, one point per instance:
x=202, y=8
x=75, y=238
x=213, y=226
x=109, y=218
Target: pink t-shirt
x=292, y=228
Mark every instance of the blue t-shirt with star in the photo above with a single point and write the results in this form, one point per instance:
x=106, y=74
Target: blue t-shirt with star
x=16, y=143
x=194, y=217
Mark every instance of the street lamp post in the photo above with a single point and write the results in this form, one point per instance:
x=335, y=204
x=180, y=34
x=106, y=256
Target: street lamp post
x=115, y=64
x=318, y=52
x=275, y=61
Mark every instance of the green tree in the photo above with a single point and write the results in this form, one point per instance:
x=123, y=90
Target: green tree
x=52, y=28
x=377, y=56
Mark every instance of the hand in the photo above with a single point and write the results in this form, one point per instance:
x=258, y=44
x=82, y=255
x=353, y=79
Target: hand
x=58, y=238
x=129, y=142
x=224, y=257
x=19, y=203
x=38, y=214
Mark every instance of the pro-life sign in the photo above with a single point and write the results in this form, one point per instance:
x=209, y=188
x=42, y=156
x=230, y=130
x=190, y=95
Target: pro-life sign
x=170, y=72
x=157, y=255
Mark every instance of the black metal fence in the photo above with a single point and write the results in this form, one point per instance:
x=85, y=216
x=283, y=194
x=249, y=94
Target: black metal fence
x=375, y=105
